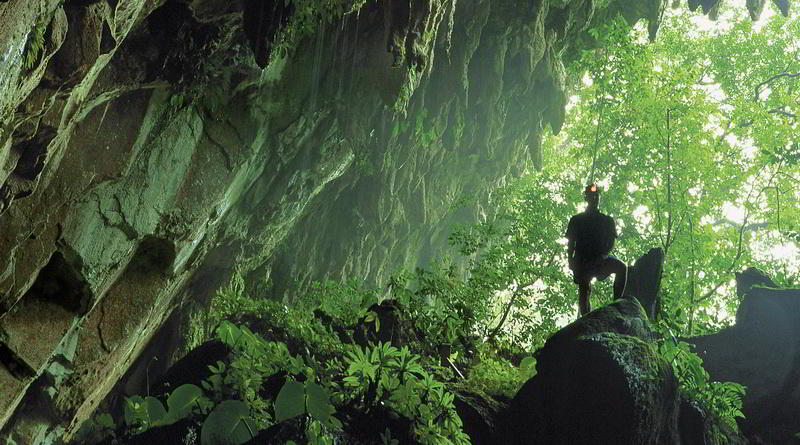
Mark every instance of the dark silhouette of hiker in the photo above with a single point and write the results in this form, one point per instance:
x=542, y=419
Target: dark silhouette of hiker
x=590, y=238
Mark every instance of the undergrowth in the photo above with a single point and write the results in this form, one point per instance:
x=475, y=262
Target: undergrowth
x=344, y=365
x=340, y=375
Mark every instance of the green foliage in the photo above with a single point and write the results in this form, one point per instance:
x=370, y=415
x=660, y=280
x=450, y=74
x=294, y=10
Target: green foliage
x=291, y=323
x=318, y=403
x=229, y=408
x=309, y=16
x=515, y=292
x=144, y=412
x=97, y=428
x=228, y=424
x=182, y=401
x=290, y=401
x=693, y=159
x=297, y=398
x=527, y=368
x=254, y=359
x=344, y=302
x=392, y=377
x=496, y=375
x=34, y=46
x=382, y=375
x=722, y=398
x=308, y=13
x=438, y=303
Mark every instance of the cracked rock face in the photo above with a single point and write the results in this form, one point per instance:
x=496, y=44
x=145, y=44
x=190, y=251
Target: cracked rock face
x=149, y=147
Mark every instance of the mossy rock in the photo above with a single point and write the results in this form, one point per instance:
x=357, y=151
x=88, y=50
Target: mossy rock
x=600, y=388
x=624, y=316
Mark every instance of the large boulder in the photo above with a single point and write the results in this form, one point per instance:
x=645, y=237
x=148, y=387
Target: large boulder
x=644, y=280
x=606, y=388
x=762, y=352
x=598, y=381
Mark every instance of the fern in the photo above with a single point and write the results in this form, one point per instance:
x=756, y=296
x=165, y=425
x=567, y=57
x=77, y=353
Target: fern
x=34, y=46
x=722, y=398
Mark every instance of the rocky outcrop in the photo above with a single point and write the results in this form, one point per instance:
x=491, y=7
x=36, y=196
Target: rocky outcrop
x=596, y=385
x=600, y=380
x=644, y=281
x=762, y=352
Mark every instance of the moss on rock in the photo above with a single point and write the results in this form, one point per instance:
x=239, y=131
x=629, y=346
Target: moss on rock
x=602, y=388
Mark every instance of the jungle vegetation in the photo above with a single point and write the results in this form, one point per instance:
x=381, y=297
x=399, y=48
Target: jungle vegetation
x=693, y=139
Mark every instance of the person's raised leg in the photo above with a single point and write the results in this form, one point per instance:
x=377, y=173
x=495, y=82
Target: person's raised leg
x=584, y=291
x=620, y=271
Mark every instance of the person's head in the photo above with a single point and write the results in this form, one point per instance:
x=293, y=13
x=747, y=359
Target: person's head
x=591, y=194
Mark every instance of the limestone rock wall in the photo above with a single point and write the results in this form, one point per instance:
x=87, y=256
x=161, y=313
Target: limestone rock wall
x=494, y=80
x=142, y=149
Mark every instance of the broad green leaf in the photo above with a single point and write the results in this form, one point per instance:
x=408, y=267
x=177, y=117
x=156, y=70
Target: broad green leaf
x=318, y=402
x=154, y=409
x=228, y=424
x=134, y=410
x=290, y=401
x=228, y=333
x=219, y=368
x=181, y=401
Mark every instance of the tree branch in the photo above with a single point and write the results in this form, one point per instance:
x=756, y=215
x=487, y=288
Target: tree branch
x=790, y=177
x=691, y=280
x=781, y=110
x=740, y=243
x=748, y=228
x=517, y=292
x=669, y=237
x=773, y=79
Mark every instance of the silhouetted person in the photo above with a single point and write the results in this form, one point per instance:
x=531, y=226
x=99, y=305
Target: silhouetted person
x=590, y=238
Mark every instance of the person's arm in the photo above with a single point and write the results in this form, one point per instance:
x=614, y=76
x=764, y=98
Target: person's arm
x=613, y=233
x=570, y=245
x=571, y=254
